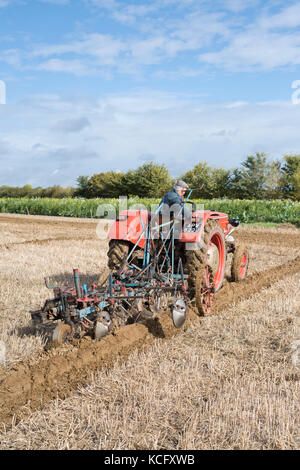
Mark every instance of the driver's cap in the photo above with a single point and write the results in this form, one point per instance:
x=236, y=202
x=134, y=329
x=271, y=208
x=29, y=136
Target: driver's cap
x=181, y=184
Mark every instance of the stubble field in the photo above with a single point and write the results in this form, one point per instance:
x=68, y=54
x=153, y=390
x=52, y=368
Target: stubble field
x=227, y=381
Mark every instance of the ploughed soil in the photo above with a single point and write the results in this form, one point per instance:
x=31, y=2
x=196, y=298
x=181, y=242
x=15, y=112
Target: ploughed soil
x=31, y=384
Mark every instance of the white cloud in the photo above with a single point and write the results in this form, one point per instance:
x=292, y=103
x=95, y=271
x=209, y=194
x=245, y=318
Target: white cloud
x=130, y=14
x=237, y=6
x=130, y=54
x=7, y=3
x=5, y=149
x=217, y=38
x=97, y=45
x=72, y=125
x=162, y=39
x=75, y=67
x=56, y=2
x=270, y=42
x=123, y=131
x=288, y=17
x=11, y=57
x=261, y=50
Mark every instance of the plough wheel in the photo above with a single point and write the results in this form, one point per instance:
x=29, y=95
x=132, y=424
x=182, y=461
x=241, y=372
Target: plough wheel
x=117, y=252
x=240, y=263
x=62, y=333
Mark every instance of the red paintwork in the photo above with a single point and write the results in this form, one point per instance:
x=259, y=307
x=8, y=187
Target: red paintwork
x=132, y=228
x=85, y=299
x=243, y=266
x=194, y=237
x=217, y=240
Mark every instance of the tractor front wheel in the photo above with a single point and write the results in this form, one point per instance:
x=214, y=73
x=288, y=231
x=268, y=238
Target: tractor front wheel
x=240, y=262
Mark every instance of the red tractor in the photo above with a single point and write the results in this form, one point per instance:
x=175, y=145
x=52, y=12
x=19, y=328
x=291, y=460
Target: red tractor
x=154, y=262
x=201, y=248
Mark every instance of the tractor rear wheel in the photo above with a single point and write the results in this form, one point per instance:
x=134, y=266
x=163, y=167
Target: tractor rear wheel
x=206, y=266
x=215, y=246
x=201, y=282
x=117, y=253
x=240, y=262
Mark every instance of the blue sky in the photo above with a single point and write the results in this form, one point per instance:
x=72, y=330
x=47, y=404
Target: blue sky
x=93, y=85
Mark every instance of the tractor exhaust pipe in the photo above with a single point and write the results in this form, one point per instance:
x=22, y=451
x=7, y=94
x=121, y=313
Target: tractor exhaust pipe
x=77, y=282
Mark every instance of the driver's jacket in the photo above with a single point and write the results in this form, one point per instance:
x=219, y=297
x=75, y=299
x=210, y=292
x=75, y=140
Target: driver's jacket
x=174, y=201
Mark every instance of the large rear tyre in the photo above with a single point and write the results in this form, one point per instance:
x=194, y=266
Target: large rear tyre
x=240, y=263
x=215, y=247
x=201, y=281
x=211, y=252
x=206, y=267
x=117, y=254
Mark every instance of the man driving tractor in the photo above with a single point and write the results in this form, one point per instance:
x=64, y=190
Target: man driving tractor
x=175, y=199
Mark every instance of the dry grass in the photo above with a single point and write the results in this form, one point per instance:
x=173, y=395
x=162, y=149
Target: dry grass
x=283, y=228
x=22, y=271
x=24, y=266
x=264, y=257
x=50, y=218
x=225, y=383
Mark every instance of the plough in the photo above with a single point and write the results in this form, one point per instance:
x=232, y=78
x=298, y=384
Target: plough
x=155, y=263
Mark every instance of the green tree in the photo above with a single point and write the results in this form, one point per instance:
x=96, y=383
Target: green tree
x=149, y=180
x=214, y=180
x=107, y=184
x=258, y=178
x=27, y=191
x=57, y=191
x=82, y=189
x=290, y=184
x=5, y=191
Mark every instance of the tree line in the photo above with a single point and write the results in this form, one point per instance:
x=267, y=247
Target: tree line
x=257, y=177
x=55, y=191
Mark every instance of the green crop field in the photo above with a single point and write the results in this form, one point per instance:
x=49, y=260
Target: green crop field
x=248, y=211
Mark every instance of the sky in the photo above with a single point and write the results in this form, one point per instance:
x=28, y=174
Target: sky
x=93, y=85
